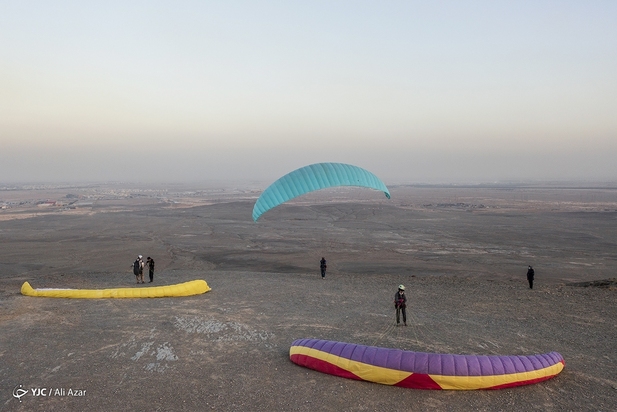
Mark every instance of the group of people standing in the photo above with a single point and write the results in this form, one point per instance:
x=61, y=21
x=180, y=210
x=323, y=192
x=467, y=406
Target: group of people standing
x=138, y=268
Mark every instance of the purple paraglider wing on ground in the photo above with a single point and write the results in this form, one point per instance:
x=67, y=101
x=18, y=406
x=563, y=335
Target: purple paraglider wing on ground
x=424, y=370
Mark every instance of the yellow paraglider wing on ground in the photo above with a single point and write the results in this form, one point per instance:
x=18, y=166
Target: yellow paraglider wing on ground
x=194, y=287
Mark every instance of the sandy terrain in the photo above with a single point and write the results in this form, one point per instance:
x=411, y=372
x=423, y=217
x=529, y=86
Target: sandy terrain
x=462, y=252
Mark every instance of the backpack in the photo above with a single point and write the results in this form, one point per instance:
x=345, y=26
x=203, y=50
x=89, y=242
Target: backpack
x=136, y=267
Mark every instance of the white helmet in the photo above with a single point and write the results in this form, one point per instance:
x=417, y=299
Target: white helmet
x=401, y=287
x=139, y=256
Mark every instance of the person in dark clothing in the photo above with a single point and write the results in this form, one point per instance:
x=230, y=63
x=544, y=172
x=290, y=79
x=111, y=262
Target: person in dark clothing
x=400, y=304
x=530, y=274
x=150, y=263
x=138, y=269
x=322, y=266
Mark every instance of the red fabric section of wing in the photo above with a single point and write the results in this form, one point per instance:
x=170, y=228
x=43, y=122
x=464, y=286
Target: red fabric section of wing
x=322, y=366
x=418, y=381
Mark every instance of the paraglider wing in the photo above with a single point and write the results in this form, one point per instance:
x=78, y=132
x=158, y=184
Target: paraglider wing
x=194, y=287
x=314, y=177
x=424, y=370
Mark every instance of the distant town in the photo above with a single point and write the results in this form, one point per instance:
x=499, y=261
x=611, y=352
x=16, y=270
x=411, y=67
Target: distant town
x=57, y=197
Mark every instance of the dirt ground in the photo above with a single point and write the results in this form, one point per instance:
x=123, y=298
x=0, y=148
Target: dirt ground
x=462, y=252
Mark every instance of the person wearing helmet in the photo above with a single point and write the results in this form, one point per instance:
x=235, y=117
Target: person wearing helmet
x=138, y=269
x=400, y=304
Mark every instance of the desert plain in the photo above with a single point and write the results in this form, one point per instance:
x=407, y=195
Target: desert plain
x=461, y=251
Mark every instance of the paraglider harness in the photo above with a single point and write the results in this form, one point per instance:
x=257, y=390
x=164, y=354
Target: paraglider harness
x=136, y=267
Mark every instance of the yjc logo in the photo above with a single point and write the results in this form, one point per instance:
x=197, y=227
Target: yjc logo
x=19, y=391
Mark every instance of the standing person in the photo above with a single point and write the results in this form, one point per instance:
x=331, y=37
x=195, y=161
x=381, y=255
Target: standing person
x=530, y=274
x=400, y=304
x=138, y=269
x=322, y=266
x=141, y=268
x=150, y=263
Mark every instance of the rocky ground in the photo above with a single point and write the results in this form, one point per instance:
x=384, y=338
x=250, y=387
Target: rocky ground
x=464, y=268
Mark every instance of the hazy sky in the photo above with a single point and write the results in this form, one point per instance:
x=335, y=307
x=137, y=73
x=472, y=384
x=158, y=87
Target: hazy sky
x=425, y=92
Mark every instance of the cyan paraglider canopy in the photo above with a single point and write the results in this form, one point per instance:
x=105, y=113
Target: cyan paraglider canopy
x=314, y=177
